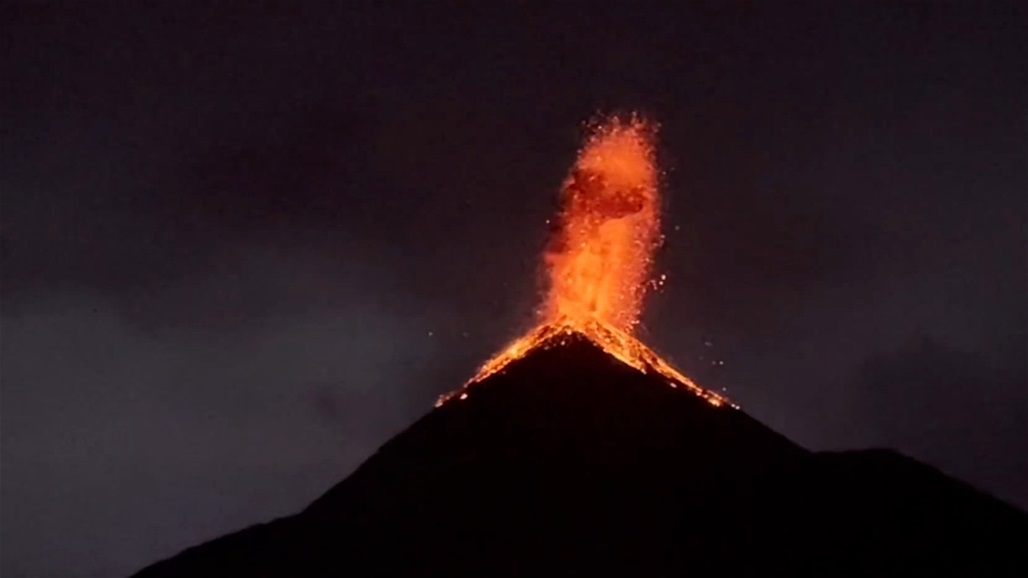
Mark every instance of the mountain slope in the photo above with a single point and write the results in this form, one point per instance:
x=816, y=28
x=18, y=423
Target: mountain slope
x=569, y=462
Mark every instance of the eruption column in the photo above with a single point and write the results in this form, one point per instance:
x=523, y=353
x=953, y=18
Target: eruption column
x=599, y=259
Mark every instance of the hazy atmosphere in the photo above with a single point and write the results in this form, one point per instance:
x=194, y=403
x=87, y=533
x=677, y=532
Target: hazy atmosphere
x=244, y=244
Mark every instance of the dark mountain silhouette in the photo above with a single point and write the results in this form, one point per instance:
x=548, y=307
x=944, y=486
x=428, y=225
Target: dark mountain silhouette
x=571, y=463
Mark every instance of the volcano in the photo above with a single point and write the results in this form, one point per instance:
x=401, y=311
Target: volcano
x=577, y=451
x=568, y=461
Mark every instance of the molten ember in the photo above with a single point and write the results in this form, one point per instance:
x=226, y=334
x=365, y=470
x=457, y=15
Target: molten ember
x=599, y=258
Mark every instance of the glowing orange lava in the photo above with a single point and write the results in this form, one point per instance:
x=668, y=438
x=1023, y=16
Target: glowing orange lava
x=599, y=259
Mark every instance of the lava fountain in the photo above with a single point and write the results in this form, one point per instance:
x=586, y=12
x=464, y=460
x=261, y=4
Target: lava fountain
x=600, y=256
x=599, y=259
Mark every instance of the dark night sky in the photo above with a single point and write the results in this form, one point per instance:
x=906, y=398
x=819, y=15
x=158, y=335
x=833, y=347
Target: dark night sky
x=245, y=244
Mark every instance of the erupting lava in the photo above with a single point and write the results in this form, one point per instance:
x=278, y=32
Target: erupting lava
x=598, y=261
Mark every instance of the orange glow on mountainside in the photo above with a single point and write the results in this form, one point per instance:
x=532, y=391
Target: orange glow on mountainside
x=599, y=259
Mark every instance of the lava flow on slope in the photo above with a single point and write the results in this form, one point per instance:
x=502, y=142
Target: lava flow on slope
x=598, y=263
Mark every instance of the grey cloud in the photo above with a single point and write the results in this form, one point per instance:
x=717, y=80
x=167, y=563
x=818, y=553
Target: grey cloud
x=100, y=412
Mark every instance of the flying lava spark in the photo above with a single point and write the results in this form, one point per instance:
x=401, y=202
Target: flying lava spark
x=600, y=256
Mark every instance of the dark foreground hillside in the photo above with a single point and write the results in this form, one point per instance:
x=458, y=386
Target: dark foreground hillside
x=570, y=463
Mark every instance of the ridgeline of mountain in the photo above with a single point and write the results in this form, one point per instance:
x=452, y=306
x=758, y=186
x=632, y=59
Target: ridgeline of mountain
x=570, y=463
